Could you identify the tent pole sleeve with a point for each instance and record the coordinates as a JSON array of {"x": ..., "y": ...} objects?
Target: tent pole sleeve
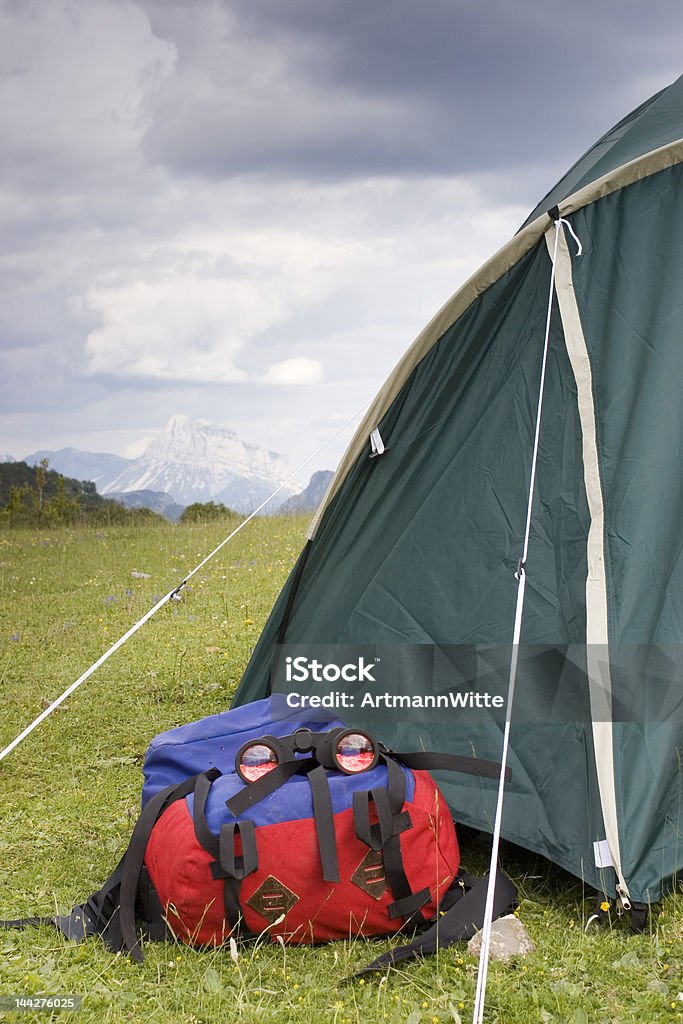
[{"x": 597, "y": 634}]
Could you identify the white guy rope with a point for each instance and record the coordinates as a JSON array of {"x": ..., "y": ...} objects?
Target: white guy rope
[
  {"x": 482, "y": 975},
  {"x": 167, "y": 597}
]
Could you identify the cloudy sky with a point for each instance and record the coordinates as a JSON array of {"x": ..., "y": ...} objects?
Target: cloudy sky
[{"x": 245, "y": 210}]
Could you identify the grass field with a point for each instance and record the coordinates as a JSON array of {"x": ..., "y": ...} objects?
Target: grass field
[{"x": 69, "y": 795}]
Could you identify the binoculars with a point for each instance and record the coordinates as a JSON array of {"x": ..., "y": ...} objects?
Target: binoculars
[{"x": 347, "y": 750}]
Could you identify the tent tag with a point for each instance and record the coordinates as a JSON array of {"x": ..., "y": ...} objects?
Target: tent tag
[
  {"x": 376, "y": 443},
  {"x": 601, "y": 852}
]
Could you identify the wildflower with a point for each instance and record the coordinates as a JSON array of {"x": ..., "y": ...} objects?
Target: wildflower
[{"x": 604, "y": 906}]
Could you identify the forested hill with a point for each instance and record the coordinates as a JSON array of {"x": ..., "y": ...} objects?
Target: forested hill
[
  {"x": 32, "y": 478},
  {"x": 39, "y": 496}
]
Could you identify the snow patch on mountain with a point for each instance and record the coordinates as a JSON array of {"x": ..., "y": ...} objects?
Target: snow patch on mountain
[{"x": 194, "y": 460}]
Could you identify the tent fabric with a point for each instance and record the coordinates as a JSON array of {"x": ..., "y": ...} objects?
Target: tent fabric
[{"x": 419, "y": 546}]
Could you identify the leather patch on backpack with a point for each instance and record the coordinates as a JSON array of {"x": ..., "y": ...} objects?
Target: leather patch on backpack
[
  {"x": 272, "y": 899},
  {"x": 370, "y": 876}
]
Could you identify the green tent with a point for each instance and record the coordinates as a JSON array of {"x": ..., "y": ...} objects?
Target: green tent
[{"x": 415, "y": 548}]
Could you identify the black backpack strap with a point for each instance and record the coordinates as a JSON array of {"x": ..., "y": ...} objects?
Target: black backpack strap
[
  {"x": 226, "y": 865},
  {"x": 384, "y": 837},
  {"x": 268, "y": 783},
  {"x": 322, "y": 805},
  {"x": 76, "y": 925},
  {"x": 134, "y": 857},
  {"x": 427, "y": 760},
  {"x": 324, "y": 823},
  {"x": 463, "y": 920}
]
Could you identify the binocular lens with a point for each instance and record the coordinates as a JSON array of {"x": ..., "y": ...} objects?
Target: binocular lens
[
  {"x": 355, "y": 753},
  {"x": 257, "y": 760}
]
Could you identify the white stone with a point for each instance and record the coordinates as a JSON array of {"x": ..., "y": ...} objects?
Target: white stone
[{"x": 509, "y": 938}]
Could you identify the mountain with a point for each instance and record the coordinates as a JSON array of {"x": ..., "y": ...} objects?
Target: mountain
[
  {"x": 6, "y": 458},
  {"x": 311, "y": 496},
  {"x": 190, "y": 461},
  {"x": 98, "y": 467},
  {"x": 194, "y": 460},
  {"x": 158, "y": 501}
]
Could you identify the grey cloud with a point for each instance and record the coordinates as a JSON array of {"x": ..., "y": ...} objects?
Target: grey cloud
[
  {"x": 357, "y": 160},
  {"x": 330, "y": 90}
]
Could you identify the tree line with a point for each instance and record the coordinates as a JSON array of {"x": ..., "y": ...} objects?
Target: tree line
[{"x": 39, "y": 496}]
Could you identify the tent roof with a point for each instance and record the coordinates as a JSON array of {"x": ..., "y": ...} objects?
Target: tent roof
[{"x": 653, "y": 124}]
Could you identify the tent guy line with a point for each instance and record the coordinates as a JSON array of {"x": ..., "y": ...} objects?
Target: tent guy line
[
  {"x": 482, "y": 973},
  {"x": 171, "y": 594}
]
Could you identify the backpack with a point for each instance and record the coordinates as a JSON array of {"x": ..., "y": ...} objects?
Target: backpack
[{"x": 266, "y": 820}]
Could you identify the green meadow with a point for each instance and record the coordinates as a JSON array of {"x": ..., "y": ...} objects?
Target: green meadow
[{"x": 69, "y": 796}]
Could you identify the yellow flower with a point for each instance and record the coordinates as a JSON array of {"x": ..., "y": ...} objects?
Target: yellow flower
[{"x": 604, "y": 906}]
